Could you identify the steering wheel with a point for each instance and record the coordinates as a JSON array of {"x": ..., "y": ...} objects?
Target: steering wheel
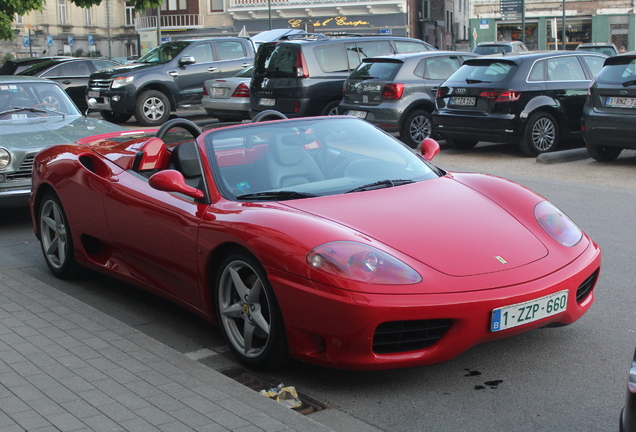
[
  {"x": 181, "y": 123},
  {"x": 268, "y": 115},
  {"x": 45, "y": 104}
]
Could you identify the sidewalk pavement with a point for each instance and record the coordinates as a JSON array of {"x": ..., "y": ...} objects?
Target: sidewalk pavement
[{"x": 65, "y": 366}]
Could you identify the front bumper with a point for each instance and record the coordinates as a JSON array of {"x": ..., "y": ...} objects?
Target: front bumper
[
  {"x": 336, "y": 328},
  {"x": 118, "y": 101},
  {"x": 504, "y": 128},
  {"x": 15, "y": 196}
]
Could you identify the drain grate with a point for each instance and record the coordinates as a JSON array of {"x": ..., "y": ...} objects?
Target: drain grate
[{"x": 258, "y": 383}]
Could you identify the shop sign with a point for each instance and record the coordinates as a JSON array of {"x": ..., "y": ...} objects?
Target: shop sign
[
  {"x": 339, "y": 21},
  {"x": 483, "y": 24},
  {"x": 510, "y": 9}
]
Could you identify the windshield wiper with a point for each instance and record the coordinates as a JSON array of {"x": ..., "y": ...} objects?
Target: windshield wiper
[
  {"x": 476, "y": 81},
  {"x": 275, "y": 196},
  {"x": 18, "y": 108},
  {"x": 380, "y": 185},
  {"x": 629, "y": 83}
]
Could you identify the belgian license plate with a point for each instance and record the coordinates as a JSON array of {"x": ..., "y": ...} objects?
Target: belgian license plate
[
  {"x": 218, "y": 91},
  {"x": 522, "y": 313},
  {"x": 463, "y": 101},
  {"x": 620, "y": 102},
  {"x": 93, "y": 94},
  {"x": 267, "y": 102},
  {"x": 359, "y": 114}
]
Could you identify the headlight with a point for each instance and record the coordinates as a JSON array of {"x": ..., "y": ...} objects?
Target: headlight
[
  {"x": 361, "y": 263},
  {"x": 121, "y": 82},
  {"x": 5, "y": 158},
  {"x": 558, "y": 225}
]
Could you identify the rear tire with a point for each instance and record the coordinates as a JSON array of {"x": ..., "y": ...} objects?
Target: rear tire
[
  {"x": 56, "y": 239},
  {"x": 331, "y": 109},
  {"x": 541, "y": 135},
  {"x": 114, "y": 117},
  {"x": 417, "y": 127},
  {"x": 603, "y": 153},
  {"x": 461, "y": 144},
  {"x": 152, "y": 108}
]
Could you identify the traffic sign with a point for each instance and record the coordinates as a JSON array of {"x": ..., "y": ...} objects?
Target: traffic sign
[
  {"x": 49, "y": 40},
  {"x": 91, "y": 39},
  {"x": 26, "y": 41},
  {"x": 385, "y": 31},
  {"x": 70, "y": 40},
  {"x": 165, "y": 39}
]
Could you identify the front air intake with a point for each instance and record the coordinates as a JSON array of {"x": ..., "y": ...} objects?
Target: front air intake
[{"x": 402, "y": 336}]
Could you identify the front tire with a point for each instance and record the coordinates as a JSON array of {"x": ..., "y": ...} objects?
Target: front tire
[
  {"x": 417, "y": 127},
  {"x": 114, "y": 117},
  {"x": 541, "y": 135},
  {"x": 56, "y": 239},
  {"x": 248, "y": 313},
  {"x": 152, "y": 108},
  {"x": 603, "y": 153}
]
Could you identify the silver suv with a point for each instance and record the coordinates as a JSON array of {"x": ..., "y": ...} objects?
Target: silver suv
[{"x": 397, "y": 92}]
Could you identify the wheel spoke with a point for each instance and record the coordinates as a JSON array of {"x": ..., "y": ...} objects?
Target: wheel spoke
[
  {"x": 50, "y": 223},
  {"x": 238, "y": 284},
  {"x": 55, "y": 245},
  {"x": 248, "y": 335},
  {"x": 233, "y": 311}
]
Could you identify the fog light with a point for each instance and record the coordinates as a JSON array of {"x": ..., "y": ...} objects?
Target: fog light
[
  {"x": 92, "y": 103},
  {"x": 1, "y": 178},
  {"x": 116, "y": 98}
]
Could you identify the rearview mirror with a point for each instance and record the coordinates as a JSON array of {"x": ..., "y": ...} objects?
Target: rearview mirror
[
  {"x": 173, "y": 181},
  {"x": 430, "y": 148}
]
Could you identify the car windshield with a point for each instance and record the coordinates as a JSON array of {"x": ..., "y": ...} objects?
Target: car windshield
[
  {"x": 379, "y": 70},
  {"x": 624, "y": 72},
  {"x": 480, "y": 71},
  {"x": 34, "y": 99},
  {"x": 492, "y": 49},
  {"x": 164, "y": 53},
  {"x": 304, "y": 158},
  {"x": 277, "y": 60},
  {"x": 607, "y": 50}
]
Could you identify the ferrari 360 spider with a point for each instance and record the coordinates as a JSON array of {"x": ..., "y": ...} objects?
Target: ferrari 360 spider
[{"x": 320, "y": 239}]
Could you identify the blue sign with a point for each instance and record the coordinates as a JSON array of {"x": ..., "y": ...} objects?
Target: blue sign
[
  {"x": 91, "y": 40},
  {"x": 165, "y": 39},
  {"x": 70, "y": 40},
  {"x": 49, "y": 40},
  {"x": 25, "y": 41},
  {"x": 385, "y": 31}
]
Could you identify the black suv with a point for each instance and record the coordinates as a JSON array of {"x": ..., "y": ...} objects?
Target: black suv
[
  {"x": 609, "y": 114},
  {"x": 534, "y": 99},
  {"x": 397, "y": 93},
  {"x": 169, "y": 76},
  {"x": 302, "y": 75}
]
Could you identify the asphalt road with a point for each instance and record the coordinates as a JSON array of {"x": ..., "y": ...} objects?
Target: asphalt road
[{"x": 563, "y": 379}]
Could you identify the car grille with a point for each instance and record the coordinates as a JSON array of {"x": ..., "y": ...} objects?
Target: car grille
[
  {"x": 401, "y": 336},
  {"x": 24, "y": 172},
  {"x": 99, "y": 84},
  {"x": 586, "y": 287}
]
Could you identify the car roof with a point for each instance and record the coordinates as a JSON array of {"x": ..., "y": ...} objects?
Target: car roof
[
  {"x": 308, "y": 38},
  {"x": 17, "y": 79},
  {"x": 601, "y": 44},
  {"x": 532, "y": 55},
  {"x": 37, "y": 59},
  {"x": 422, "y": 54},
  {"x": 500, "y": 43}
]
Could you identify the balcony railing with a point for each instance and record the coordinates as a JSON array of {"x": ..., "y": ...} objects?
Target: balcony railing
[
  {"x": 169, "y": 22},
  {"x": 264, "y": 3}
]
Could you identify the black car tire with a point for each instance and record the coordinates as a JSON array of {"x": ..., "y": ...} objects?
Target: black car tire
[
  {"x": 461, "y": 144},
  {"x": 417, "y": 126},
  {"x": 114, "y": 117},
  {"x": 331, "y": 109},
  {"x": 603, "y": 153},
  {"x": 152, "y": 108},
  {"x": 541, "y": 135},
  {"x": 248, "y": 313},
  {"x": 56, "y": 239}
]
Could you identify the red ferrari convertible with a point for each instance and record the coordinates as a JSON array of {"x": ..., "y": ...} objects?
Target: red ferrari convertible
[{"x": 320, "y": 239}]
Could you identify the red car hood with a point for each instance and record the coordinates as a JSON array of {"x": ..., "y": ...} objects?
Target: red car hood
[{"x": 441, "y": 223}]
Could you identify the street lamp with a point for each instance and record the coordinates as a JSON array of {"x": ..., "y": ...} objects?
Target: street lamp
[{"x": 269, "y": 12}]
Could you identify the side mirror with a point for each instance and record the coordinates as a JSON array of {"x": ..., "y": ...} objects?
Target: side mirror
[
  {"x": 186, "y": 60},
  {"x": 173, "y": 181},
  {"x": 430, "y": 148}
]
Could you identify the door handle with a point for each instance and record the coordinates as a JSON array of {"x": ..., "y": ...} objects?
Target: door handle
[
  {"x": 212, "y": 69},
  {"x": 66, "y": 82},
  {"x": 244, "y": 65}
]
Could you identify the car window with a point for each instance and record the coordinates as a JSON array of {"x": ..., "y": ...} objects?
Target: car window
[
  {"x": 202, "y": 53},
  {"x": 538, "y": 71},
  {"x": 492, "y": 49},
  {"x": 276, "y": 60},
  {"x": 331, "y": 58},
  {"x": 384, "y": 71},
  {"x": 361, "y": 50},
  {"x": 164, "y": 53},
  {"x": 230, "y": 50},
  {"x": 409, "y": 46},
  {"x": 565, "y": 69},
  {"x": 53, "y": 72},
  {"x": 75, "y": 68},
  {"x": 491, "y": 71},
  {"x": 438, "y": 67},
  {"x": 617, "y": 73},
  {"x": 103, "y": 64},
  {"x": 246, "y": 73},
  {"x": 594, "y": 63}
]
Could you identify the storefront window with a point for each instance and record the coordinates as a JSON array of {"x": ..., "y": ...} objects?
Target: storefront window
[
  {"x": 577, "y": 31},
  {"x": 513, "y": 32}
]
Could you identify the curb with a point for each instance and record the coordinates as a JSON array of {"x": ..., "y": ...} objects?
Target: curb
[{"x": 563, "y": 156}]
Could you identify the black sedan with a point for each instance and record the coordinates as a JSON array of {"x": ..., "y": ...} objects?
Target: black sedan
[
  {"x": 534, "y": 99},
  {"x": 70, "y": 73}
]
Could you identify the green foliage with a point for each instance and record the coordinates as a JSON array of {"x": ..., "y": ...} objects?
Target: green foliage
[
  {"x": 10, "y": 8},
  {"x": 79, "y": 53}
]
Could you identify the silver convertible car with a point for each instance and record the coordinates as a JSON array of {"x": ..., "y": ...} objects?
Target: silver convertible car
[{"x": 35, "y": 113}]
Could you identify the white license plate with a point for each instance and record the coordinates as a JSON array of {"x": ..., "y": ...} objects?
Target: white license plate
[
  {"x": 620, "y": 102},
  {"x": 267, "y": 102},
  {"x": 359, "y": 114},
  {"x": 93, "y": 94},
  {"x": 218, "y": 91},
  {"x": 463, "y": 101},
  {"x": 522, "y": 313}
]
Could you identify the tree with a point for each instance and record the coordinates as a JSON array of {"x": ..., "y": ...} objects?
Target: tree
[{"x": 10, "y": 8}]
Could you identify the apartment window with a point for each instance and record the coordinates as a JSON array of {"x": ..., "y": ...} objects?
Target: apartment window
[
  {"x": 216, "y": 5},
  {"x": 426, "y": 9},
  {"x": 19, "y": 19},
  {"x": 89, "y": 16},
  {"x": 129, "y": 13},
  {"x": 61, "y": 7},
  {"x": 172, "y": 5}
]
